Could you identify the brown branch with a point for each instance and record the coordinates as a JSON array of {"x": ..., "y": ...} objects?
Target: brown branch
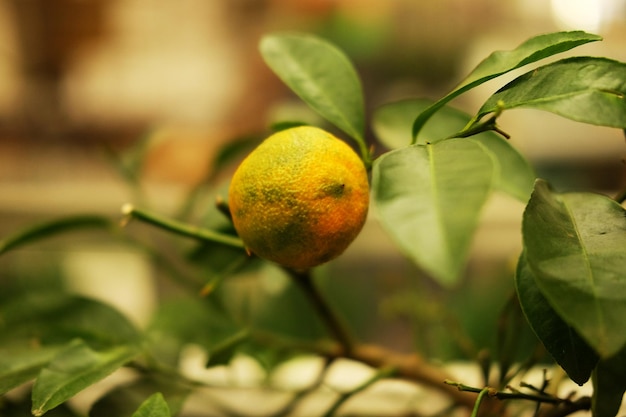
[
  {"x": 407, "y": 366},
  {"x": 411, "y": 367},
  {"x": 558, "y": 407},
  {"x": 566, "y": 408},
  {"x": 329, "y": 317}
]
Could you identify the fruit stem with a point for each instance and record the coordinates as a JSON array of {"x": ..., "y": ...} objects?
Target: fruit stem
[
  {"x": 183, "y": 229},
  {"x": 331, "y": 320}
]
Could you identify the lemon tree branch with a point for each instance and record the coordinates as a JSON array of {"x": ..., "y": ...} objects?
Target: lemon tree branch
[
  {"x": 180, "y": 228},
  {"x": 407, "y": 366},
  {"x": 329, "y": 317},
  {"x": 562, "y": 406},
  {"x": 381, "y": 374}
]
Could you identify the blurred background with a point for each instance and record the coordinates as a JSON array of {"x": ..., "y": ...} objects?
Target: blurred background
[
  {"x": 79, "y": 74},
  {"x": 79, "y": 78}
]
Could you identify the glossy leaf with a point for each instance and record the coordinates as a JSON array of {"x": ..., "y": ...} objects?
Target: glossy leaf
[
  {"x": 20, "y": 407},
  {"x": 574, "y": 245},
  {"x": 73, "y": 369},
  {"x": 52, "y": 228},
  {"x": 589, "y": 90},
  {"x": 392, "y": 125},
  {"x": 563, "y": 343},
  {"x": 513, "y": 173},
  {"x": 322, "y": 76},
  {"x": 125, "y": 399},
  {"x": 501, "y": 62},
  {"x": 20, "y": 364},
  {"x": 429, "y": 198},
  {"x": 516, "y": 344},
  {"x": 52, "y": 319},
  {"x": 609, "y": 385},
  {"x": 154, "y": 406}
]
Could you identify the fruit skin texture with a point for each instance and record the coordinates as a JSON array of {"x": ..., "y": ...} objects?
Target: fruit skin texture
[{"x": 300, "y": 198}]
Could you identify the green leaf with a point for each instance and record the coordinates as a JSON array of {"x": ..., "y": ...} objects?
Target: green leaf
[
  {"x": 154, "y": 406},
  {"x": 276, "y": 293},
  {"x": 125, "y": 399},
  {"x": 56, "y": 318},
  {"x": 20, "y": 364},
  {"x": 73, "y": 369},
  {"x": 574, "y": 245},
  {"x": 516, "y": 345},
  {"x": 589, "y": 90},
  {"x": 392, "y": 124},
  {"x": 230, "y": 152},
  {"x": 52, "y": 228},
  {"x": 567, "y": 348},
  {"x": 322, "y": 76},
  {"x": 514, "y": 175},
  {"x": 217, "y": 260},
  {"x": 429, "y": 198},
  {"x": 180, "y": 322},
  {"x": 609, "y": 385},
  {"x": 20, "y": 407},
  {"x": 501, "y": 62},
  {"x": 222, "y": 353}
]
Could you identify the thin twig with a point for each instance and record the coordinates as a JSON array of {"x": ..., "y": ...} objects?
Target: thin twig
[
  {"x": 505, "y": 395},
  {"x": 298, "y": 396},
  {"x": 562, "y": 406},
  {"x": 329, "y": 317},
  {"x": 381, "y": 374},
  {"x": 183, "y": 229},
  {"x": 408, "y": 366},
  {"x": 479, "y": 400},
  {"x": 567, "y": 407}
]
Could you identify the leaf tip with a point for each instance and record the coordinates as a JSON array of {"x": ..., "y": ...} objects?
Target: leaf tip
[{"x": 264, "y": 41}]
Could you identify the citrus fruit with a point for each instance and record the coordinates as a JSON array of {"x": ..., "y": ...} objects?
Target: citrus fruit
[{"x": 300, "y": 198}]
